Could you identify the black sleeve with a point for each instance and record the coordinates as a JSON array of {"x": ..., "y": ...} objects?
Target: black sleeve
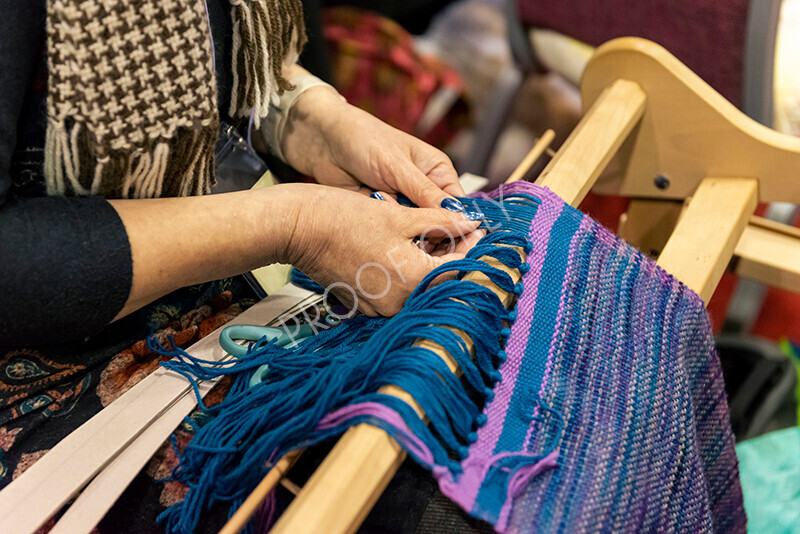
[
  {"x": 65, "y": 269},
  {"x": 65, "y": 263}
]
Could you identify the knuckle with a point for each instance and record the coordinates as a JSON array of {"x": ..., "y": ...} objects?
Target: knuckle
[{"x": 445, "y": 159}]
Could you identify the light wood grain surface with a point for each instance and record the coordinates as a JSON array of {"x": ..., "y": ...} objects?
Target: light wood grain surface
[
  {"x": 688, "y": 131},
  {"x": 598, "y": 136},
  {"x": 702, "y": 244},
  {"x": 769, "y": 252}
]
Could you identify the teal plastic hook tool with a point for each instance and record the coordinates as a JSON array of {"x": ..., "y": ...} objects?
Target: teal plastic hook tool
[{"x": 279, "y": 336}]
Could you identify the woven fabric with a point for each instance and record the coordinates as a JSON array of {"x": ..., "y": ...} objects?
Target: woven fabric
[
  {"x": 132, "y": 105},
  {"x": 128, "y": 76},
  {"x": 612, "y": 371},
  {"x": 597, "y": 404},
  {"x": 106, "y": 39}
]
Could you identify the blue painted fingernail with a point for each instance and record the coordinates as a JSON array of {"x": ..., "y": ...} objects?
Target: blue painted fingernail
[
  {"x": 452, "y": 204},
  {"x": 376, "y": 196},
  {"x": 404, "y": 201}
]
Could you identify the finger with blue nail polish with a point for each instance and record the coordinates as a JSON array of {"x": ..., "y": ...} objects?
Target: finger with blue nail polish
[
  {"x": 452, "y": 204},
  {"x": 385, "y": 197}
]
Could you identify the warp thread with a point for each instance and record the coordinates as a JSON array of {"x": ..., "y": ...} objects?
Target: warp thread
[{"x": 324, "y": 385}]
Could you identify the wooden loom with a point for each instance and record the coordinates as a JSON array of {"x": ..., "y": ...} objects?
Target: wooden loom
[{"x": 660, "y": 134}]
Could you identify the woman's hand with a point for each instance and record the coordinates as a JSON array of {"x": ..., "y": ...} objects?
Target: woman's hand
[
  {"x": 343, "y": 146},
  {"x": 365, "y": 247},
  {"x": 364, "y": 250}
]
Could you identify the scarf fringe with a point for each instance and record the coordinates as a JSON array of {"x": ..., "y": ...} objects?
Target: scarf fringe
[
  {"x": 88, "y": 152},
  {"x": 327, "y": 383},
  {"x": 180, "y": 166},
  {"x": 258, "y": 60}
]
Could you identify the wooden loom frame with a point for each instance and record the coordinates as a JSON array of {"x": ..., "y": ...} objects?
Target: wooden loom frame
[{"x": 642, "y": 105}]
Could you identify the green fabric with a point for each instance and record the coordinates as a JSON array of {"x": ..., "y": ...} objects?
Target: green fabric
[
  {"x": 788, "y": 349},
  {"x": 769, "y": 467}
]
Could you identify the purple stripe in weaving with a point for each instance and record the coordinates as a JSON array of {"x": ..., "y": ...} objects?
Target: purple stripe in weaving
[{"x": 475, "y": 466}]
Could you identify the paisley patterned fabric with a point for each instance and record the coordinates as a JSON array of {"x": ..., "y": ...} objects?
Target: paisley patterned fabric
[{"x": 47, "y": 392}]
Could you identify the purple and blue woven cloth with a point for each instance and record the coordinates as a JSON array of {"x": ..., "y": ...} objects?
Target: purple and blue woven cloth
[
  {"x": 596, "y": 405},
  {"x": 613, "y": 360}
]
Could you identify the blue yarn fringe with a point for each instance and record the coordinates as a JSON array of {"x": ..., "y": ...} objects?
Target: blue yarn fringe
[
  {"x": 346, "y": 366},
  {"x": 301, "y": 279}
]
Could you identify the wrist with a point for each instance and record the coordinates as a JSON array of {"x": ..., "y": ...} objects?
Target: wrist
[
  {"x": 278, "y": 116},
  {"x": 317, "y": 106},
  {"x": 305, "y": 138},
  {"x": 291, "y": 230}
]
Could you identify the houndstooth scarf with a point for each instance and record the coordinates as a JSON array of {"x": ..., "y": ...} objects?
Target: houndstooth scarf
[{"x": 132, "y": 104}]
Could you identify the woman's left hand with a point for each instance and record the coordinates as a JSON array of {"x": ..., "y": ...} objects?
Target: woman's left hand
[{"x": 343, "y": 146}]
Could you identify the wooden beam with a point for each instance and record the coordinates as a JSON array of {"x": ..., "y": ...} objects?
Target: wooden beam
[
  {"x": 704, "y": 240},
  {"x": 769, "y": 252},
  {"x": 586, "y": 152},
  {"x": 648, "y": 224}
]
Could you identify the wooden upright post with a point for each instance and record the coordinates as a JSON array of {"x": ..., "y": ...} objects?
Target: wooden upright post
[{"x": 703, "y": 242}]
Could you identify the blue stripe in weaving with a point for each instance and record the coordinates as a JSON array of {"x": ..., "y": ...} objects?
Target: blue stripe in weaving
[
  {"x": 574, "y": 300},
  {"x": 573, "y": 296},
  {"x": 582, "y": 307},
  {"x": 531, "y": 372},
  {"x": 532, "y": 368}
]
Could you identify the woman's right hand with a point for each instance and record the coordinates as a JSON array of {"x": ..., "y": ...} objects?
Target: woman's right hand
[{"x": 364, "y": 251}]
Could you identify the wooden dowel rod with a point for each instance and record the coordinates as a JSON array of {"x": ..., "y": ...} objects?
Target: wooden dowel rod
[
  {"x": 587, "y": 151},
  {"x": 707, "y": 233},
  {"x": 539, "y": 148},
  {"x": 253, "y": 502},
  {"x": 293, "y": 488}
]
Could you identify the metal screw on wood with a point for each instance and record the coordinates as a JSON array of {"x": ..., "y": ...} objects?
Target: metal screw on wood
[{"x": 661, "y": 181}]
